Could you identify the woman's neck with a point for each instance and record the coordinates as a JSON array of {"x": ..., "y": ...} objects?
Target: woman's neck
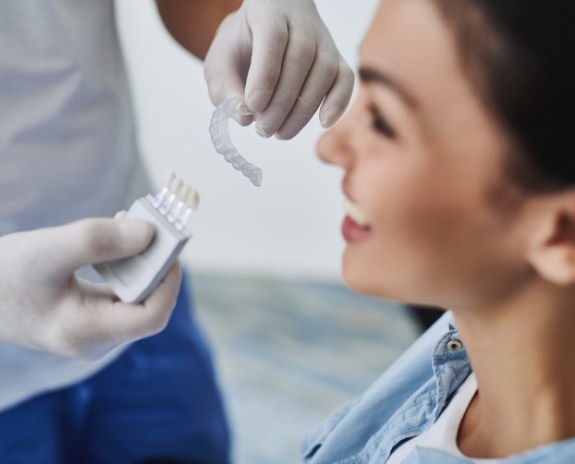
[{"x": 523, "y": 354}]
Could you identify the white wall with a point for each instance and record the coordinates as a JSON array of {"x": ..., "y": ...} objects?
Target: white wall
[{"x": 291, "y": 224}]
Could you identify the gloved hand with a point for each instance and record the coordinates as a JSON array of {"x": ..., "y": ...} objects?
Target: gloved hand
[
  {"x": 279, "y": 56},
  {"x": 45, "y": 307}
]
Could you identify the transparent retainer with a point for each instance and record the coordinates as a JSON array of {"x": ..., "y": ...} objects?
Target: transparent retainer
[{"x": 219, "y": 131}]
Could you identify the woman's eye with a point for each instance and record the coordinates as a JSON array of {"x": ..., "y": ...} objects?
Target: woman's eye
[{"x": 380, "y": 124}]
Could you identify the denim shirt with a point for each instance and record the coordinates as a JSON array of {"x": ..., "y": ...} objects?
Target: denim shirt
[{"x": 404, "y": 402}]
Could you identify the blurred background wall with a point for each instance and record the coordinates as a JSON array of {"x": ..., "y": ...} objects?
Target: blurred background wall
[{"x": 291, "y": 224}]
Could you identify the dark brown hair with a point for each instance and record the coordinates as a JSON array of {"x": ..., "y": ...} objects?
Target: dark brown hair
[{"x": 520, "y": 58}]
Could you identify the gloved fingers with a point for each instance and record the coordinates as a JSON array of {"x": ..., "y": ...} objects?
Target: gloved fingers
[
  {"x": 84, "y": 322},
  {"x": 320, "y": 80},
  {"x": 152, "y": 314},
  {"x": 271, "y": 38},
  {"x": 93, "y": 321},
  {"x": 338, "y": 96},
  {"x": 225, "y": 67},
  {"x": 92, "y": 241},
  {"x": 298, "y": 60},
  {"x": 160, "y": 303}
]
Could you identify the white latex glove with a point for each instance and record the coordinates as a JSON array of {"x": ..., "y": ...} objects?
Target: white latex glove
[
  {"x": 279, "y": 56},
  {"x": 45, "y": 307}
]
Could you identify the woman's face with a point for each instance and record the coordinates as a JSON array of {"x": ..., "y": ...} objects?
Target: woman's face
[{"x": 434, "y": 218}]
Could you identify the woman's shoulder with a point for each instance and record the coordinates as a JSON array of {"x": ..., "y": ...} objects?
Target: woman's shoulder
[{"x": 404, "y": 400}]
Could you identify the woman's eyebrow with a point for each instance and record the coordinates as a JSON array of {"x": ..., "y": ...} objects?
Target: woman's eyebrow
[{"x": 367, "y": 75}]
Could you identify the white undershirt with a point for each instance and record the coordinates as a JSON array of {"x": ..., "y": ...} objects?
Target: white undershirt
[{"x": 442, "y": 435}]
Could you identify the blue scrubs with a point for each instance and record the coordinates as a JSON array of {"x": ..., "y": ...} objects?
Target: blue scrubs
[{"x": 157, "y": 403}]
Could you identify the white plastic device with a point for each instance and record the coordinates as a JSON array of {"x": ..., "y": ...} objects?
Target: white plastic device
[
  {"x": 222, "y": 141},
  {"x": 132, "y": 279}
]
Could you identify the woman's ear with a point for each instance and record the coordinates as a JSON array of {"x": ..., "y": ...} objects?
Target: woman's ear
[{"x": 552, "y": 251}]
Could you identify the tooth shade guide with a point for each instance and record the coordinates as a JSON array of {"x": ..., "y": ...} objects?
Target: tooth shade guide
[
  {"x": 134, "y": 277},
  {"x": 176, "y": 202}
]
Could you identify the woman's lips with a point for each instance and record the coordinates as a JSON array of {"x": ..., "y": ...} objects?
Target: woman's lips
[
  {"x": 353, "y": 232},
  {"x": 355, "y": 227}
]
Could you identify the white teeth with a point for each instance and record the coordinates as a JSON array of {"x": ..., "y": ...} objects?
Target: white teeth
[{"x": 353, "y": 211}]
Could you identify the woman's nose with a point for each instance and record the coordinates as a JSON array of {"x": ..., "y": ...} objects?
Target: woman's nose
[{"x": 332, "y": 147}]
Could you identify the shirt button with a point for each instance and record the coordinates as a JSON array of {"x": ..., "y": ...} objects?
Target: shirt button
[{"x": 454, "y": 345}]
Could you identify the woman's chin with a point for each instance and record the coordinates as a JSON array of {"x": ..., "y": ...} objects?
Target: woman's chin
[
  {"x": 366, "y": 283},
  {"x": 362, "y": 283}
]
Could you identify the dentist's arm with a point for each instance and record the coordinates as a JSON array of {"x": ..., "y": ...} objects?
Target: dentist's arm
[
  {"x": 276, "y": 54},
  {"x": 45, "y": 307},
  {"x": 193, "y": 23}
]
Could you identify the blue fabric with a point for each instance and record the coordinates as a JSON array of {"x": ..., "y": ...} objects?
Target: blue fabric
[
  {"x": 404, "y": 402},
  {"x": 158, "y": 402}
]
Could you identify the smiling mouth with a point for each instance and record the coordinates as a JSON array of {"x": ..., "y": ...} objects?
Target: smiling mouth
[{"x": 355, "y": 214}]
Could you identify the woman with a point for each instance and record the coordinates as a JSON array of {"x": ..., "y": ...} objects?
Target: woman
[{"x": 460, "y": 183}]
